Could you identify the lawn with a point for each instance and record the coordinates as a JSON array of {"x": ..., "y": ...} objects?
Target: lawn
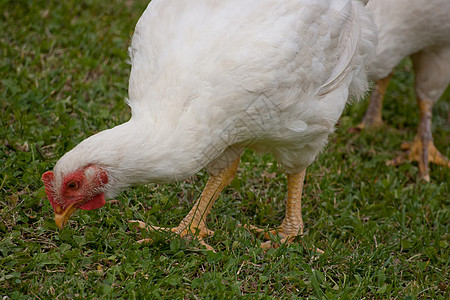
[{"x": 64, "y": 77}]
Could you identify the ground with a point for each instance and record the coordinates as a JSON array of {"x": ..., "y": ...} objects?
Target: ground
[{"x": 64, "y": 77}]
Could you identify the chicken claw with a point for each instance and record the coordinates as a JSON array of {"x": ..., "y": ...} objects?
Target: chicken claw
[
  {"x": 417, "y": 151},
  {"x": 292, "y": 224},
  {"x": 422, "y": 149},
  {"x": 270, "y": 237},
  {"x": 194, "y": 224},
  {"x": 200, "y": 233}
]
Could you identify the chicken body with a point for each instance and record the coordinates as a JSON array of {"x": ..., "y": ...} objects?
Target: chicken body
[
  {"x": 420, "y": 29},
  {"x": 210, "y": 78}
]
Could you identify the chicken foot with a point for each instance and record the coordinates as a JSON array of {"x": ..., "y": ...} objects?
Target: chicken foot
[
  {"x": 194, "y": 223},
  {"x": 292, "y": 224},
  {"x": 422, "y": 149}
]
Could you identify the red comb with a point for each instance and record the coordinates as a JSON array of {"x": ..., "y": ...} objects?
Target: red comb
[{"x": 47, "y": 178}]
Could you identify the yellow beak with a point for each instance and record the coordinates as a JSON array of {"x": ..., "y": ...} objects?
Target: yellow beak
[{"x": 61, "y": 219}]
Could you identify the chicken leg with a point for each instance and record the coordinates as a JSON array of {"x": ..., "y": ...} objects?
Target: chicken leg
[
  {"x": 195, "y": 221},
  {"x": 432, "y": 68},
  {"x": 372, "y": 117},
  {"x": 292, "y": 224},
  {"x": 422, "y": 149}
]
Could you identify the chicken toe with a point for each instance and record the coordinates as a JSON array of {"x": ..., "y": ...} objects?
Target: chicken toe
[
  {"x": 422, "y": 149},
  {"x": 423, "y": 153},
  {"x": 194, "y": 224},
  {"x": 200, "y": 233},
  {"x": 292, "y": 224}
]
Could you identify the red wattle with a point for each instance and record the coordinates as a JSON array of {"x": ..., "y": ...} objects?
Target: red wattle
[{"x": 96, "y": 202}]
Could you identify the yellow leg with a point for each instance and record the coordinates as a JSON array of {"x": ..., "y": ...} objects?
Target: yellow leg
[
  {"x": 292, "y": 224},
  {"x": 195, "y": 221},
  {"x": 422, "y": 149},
  {"x": 372, "y": 117}
]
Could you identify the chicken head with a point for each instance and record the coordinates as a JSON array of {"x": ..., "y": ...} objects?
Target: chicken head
[{"x": 81, "y": 189}]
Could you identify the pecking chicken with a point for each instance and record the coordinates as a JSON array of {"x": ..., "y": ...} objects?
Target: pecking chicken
[
  {"x": 210, "y": 78},
  {"x": 420, "y": 29}
]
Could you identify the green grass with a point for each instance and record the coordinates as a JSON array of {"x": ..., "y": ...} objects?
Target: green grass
[{"x": 64, "y": 77}]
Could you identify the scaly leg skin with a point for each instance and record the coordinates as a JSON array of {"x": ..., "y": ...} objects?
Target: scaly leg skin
[
  {"x": 195, "y": 221},
  {"x": 372, "y": 117},
  {"x": 422, "y": 149},
  {"x": 292, "y": 224}
]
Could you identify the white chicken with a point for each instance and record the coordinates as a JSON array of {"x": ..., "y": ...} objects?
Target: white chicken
[
  {"x": 420, "y": 29},
  {"x": 211, "y": 77}
]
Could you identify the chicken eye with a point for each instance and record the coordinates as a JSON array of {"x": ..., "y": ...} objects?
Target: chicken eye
[{"x": 73, "y": 185}]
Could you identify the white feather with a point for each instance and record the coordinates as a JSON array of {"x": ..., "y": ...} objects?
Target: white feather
[
  {"x": 406, "y": 27},
  {"x": 211, "y": 77}
]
